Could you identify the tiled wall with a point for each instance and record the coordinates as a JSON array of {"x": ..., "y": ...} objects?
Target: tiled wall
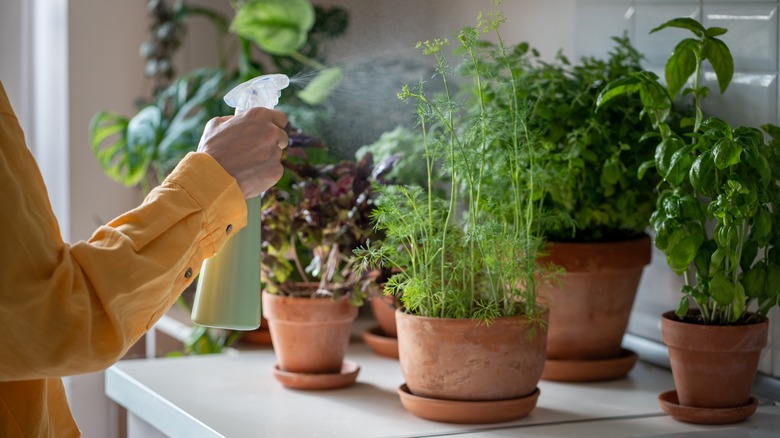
[{"x": 751, "y": 99}]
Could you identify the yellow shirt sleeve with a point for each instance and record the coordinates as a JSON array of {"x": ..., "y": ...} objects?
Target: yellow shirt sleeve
[{"x": 68, "y": 309}]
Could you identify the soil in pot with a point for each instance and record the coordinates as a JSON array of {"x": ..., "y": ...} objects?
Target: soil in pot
[
  {"x": 468, "y": 363},
  {"x": 310, "y": 335},
  {"x": 590, "y": 305},
  {"x": 714, "y": 366}
]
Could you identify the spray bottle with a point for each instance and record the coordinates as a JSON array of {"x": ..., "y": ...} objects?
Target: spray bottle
[{"x": 228, "y": 291}]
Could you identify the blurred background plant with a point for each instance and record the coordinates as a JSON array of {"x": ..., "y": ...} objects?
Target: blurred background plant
[{"x": 264, "y": 36}]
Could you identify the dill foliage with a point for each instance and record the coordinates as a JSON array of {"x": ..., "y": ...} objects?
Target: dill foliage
[{"x": 472, "y": 252}]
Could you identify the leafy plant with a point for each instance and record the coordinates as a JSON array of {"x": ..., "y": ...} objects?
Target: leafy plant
[
  {"x": 593, "y": 156},
  {"x": 403, "y": 146},
  {"x": 143, "y": 149},
  {"x": 455, "y": 257},
  {"x": 311, "y": 227},
  {"x": 715, "y": 216}
]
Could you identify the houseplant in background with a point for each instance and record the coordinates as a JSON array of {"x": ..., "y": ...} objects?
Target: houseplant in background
[
  {"x": 402, "y": 147},
  {"x": 139, "y": 151},
  {"x": 715, "y": 220},
  {"x": 311, "y": 224},
  {"x": 466, "y": 273},
  {"x": 593, "y": 158}
]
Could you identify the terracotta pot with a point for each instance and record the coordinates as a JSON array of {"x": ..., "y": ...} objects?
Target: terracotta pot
[
  {"x": 260, "y": 335},
  {"x": 713, "y": 366},
  {"x": 383, "y": 308},
  {"x": 591, "y": 303},
  {"x": 310, "y": 335},
  {"x": 466, "y": 360}
]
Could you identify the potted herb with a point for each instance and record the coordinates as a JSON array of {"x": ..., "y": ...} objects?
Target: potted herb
[
  {"x": 310, "y": 226},
  {"x": 466, "y": 275},
  {"x": 715, "y": 222},
  {"x": 592, "y": 158}
]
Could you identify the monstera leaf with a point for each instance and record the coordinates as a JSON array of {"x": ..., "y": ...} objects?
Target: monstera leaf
[{"x": 161, "y": 133}]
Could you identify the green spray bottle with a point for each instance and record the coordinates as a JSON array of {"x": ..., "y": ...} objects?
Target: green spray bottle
[{"x": 228, "y": 290}]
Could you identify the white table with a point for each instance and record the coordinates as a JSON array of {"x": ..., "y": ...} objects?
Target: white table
[{"x": 236, "y": 395}]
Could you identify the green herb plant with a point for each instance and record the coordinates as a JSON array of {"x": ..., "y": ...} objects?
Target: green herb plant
[
  {"x": 593, "y": 156},
  {"x": 471, "y": 254},
  {"x": 715, "y": 219},
  {"x": 312, "y": 222}
]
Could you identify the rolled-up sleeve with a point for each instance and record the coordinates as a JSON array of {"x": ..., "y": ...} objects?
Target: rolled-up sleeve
[{"x": 69, "y": 309}]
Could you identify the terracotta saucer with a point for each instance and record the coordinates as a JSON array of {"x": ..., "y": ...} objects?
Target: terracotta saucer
[
  {"x": 347, "y": 376},
  {"x": 467, "y": 412},
  {"x": 689, "y": 414},
  {"x": 382, "y": 344},
  {"x": 589, "y": 370}
]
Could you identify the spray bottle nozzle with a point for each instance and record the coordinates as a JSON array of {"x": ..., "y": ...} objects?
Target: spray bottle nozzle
[{"x": 262, "y": 91}]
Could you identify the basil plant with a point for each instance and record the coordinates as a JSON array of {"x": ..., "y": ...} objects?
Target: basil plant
[{"x": 715, "y": 219}]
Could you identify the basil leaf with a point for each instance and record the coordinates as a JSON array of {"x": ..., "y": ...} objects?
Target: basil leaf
[
  {"x": 726, "y": 153},
  {"x": 680, "y": 65},
  {"x": 721, "y": 290},
  {"x": 719, "y": 55}
]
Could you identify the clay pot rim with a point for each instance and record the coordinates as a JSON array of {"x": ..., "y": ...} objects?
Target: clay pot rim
[
  {"x": 633, "y": 240},
  {"x": 672, "y": 318},
  {"x": 601, "y": 256},
  {"x": 314, "y": 301},
  {"x": 543, "y": 314}
]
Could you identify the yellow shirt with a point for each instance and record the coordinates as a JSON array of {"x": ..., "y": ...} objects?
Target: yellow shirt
[{"x": 69, "y": 309}]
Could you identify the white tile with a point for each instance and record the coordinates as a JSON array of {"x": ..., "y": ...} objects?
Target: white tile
[
  {"x": 650, "y": 14},
  {"x": 752, "y": 32},
  {"x": 750, "y": 100},
  {"x": 597, "y": 22}
]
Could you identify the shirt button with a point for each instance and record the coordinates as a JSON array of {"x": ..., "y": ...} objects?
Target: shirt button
[
  {"x": 229, "y": 229},
  {"x": 188, "y": 274}
]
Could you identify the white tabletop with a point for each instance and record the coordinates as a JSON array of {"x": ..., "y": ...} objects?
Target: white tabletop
[{"x": 236, "y": 395}]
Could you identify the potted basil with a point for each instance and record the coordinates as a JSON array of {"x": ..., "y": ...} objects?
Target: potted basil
[{"x": 715, "y": 221}]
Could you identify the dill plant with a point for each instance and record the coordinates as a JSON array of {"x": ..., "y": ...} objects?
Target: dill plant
[{"x": 471, "y": 253}]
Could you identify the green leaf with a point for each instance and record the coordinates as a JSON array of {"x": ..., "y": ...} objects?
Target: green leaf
[
  {"x": 738, "y": 304},
  {"x": 682, "y": 307},
  {"x": 680, "y": 165},
  {"x": 759, "y": 163},
  {"x": 717, "y": 125},
  {"x": 618, "y": 88},
  {"x": 753, "y": 281},
  {"x": 702, "y": 174},
  {"x": 761, "y": 228},
  {"x": 683, "y": 244},
  {"x": 681, "y": 65},
  {"x": 721, "y": 290},
  {"x": 748, "y": 256},
  {"x": 719, "y": 55},
  {"x": 120, "y": 162},
  {"x": 279, "y": 27},
  {"x": 664, "y": 153},
  {"x": 321, "y": 86},
  {"x": 716, "y": 261},
  {"x": 644, "y": 167},
  {"x": 726, "y": 153},
  {"x": 715, "y": 31},
  {"x": 683, "y": 23}
]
